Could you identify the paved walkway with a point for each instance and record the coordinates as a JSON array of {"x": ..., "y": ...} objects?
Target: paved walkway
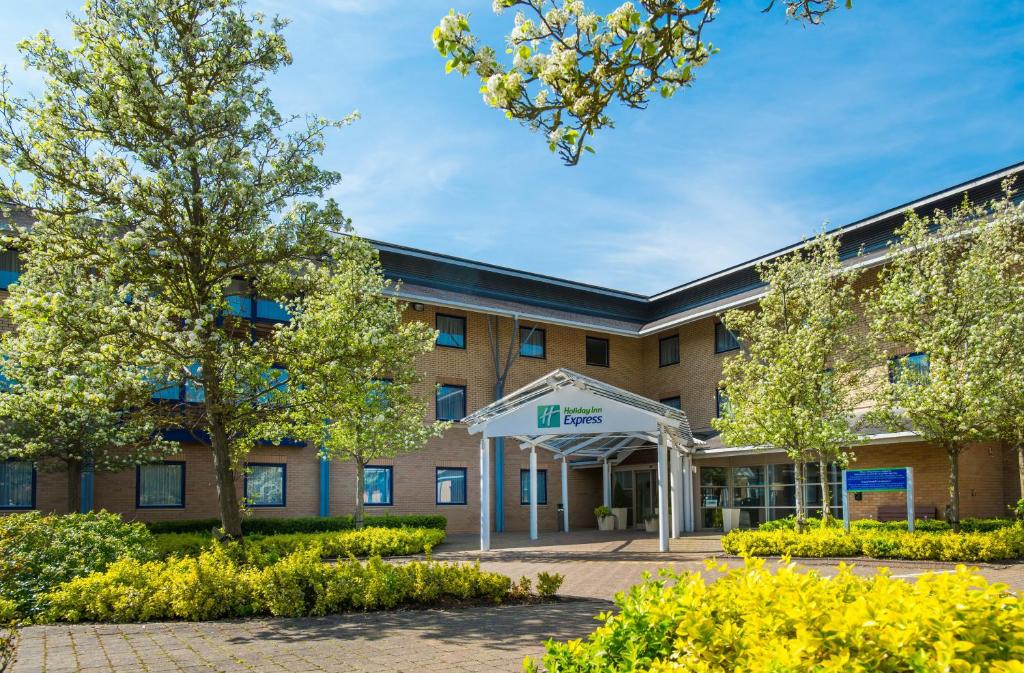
[{"x": 596, "y": 566}]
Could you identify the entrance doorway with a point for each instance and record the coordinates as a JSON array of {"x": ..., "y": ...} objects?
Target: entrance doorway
[{"x": 637, "y": 491}]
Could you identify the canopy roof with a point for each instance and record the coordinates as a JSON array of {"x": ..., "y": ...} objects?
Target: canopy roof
[{"x": 574, "y": 415}]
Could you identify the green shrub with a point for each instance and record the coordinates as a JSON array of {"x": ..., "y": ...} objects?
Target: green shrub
[
  {"x": 8, "y": 645},
  {"x": 216, "y": 585},
  {"x": 549, "y": 583},
  {"x": 920, "y": 525},
  {"x": 365, "y": 542},
  {"x": 996, "y": 545},
  {"x": 39, "y": 552},
  {"x": 310, "y": 524},
  {"x": 753, "y": 619}
]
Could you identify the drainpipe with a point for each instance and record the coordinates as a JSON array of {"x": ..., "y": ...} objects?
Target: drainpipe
[
  {"x": 499, "y": 471},
  {"x": 86, "y": 492},
  {"x": 325, "y": 486}
]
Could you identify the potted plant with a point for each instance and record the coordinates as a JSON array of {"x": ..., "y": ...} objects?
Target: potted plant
[
  {"x": 605, "y": 520},
  {"x": 651, "y": 522}
]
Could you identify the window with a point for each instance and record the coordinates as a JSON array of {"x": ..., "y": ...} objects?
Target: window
[
  {"x": 451, "y": 486},
  {"x": 451, "y": 331},
  {"x": 194, "y": 391},
  {"x": 725, "y": 340},
  {"x": 160, "y": 485},
  {"x": 275, "y": 383},
  {"x": 17, "y": 485},
  {"x": 909, "y": 369},
  {"x": 10, "y": 268},
  {"x": 451, "y": 403},
  {"x": 378, "y": 485},
  {"x": 532, "y": 342},
  {"x": 597, "y": 351},
  {"x": 673, "y": 402},
  {"x": 268, "y": 309},
  {"x": 721, "y": 402},
  {"x": 265, "y": 484},
  {"x": 524, "y": 487},
  {"x": 240, "y": 305},
  {"x": 668, "y": 351}
]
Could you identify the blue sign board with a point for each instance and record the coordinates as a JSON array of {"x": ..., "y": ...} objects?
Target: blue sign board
[{"x": 882, "y": 479}]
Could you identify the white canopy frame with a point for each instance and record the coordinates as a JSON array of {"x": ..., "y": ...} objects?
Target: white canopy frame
[{"x": 623, "y": 423}]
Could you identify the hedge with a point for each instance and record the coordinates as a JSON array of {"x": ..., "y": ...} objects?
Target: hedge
[
  {"x": 752, "y": 619},
  {"x": 308, "y": 524},
  {"x": 213, "y": 585},
  {"x": 920, "y": 525},
  {"x": 997, "y": 545},
  {"x": 365, "y": 542}
]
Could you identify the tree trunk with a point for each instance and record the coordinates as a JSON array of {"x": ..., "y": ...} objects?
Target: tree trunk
[
  {"x": 801, "y": 510},
  {"x": 826, "y": 492},
  {"x": 74, "y": 485},
  {"x": 227, "y": 495},
  {"x": 360, "y": 493},
  {"x": 953, "y": 510}
]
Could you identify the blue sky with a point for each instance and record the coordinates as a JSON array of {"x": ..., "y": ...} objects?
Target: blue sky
[{"x": 787, "y": 128}]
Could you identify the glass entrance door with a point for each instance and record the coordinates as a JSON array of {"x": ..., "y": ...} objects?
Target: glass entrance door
[{"x": 644, "y": 492}]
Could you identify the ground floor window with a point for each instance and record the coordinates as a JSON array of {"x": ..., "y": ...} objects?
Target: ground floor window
[
  {"x": 265, "y": 484},
  {"x": 762, "y": 492},
  {"x": 17, "y": 485},
  {"x": 160, "y": 485},
  {"x": 451, "y": 486},
  {"x": 378, "y": 485},
  {"x": 524, "y": 487}
]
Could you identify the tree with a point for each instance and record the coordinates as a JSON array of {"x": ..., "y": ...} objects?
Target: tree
[
  {"x": 935, "y": 297},
  {"x": 569, "y": 65},
  {"x": 800, "y": 376},
  {"x": 157, "y": 161},
  {"x": 63, "y": 410},
  {"x": 367, "y": 412}
]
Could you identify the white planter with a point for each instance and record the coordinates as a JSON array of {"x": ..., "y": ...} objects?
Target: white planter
[
  {"x": 651, "y": 525},
  {"x": 606, "y": 523},
  {"x": 730, "y": 518},
  {"x": 620, "y": 514}
]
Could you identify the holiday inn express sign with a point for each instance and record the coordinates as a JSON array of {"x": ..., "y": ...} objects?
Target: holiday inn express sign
[
  {"x": 570, "y": 411},
  {"x": 553, "y": 416}
]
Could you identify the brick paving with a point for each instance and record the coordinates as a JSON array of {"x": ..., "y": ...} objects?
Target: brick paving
[{"x": 595, "y": 565}]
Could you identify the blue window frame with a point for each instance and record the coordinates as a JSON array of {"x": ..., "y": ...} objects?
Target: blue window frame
[
  {"x": 668, "y": 351},
  {"x": 451, "y": 330},
  {"x": 524, "y": 487},
  {"x": 912, "y": 368},
  {"x": 451, "y": 486},
  {"x": 721, "y": 402},
  {"x": 673, "y": 402},
  {"x": 378, "y": 485},
  {"x": 240, "y": 305},
  {"x": 17, "y": 485},
  {"x": 160, "y": 485},
  {"x": 532, "y": 343},
  {"x": 725, "y": 340},
  {"x": 10, "y": 268},
  {"x": 268, "y": 309},
  {"x": 266, "y": 484},
  {"x": 257, "y": 308},
  {"x": 451, "y": 402},
  {"x": 597, "y": 351}
]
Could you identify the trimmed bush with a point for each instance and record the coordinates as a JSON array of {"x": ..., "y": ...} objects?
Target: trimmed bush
[
  {"x": 997, "y": 545},
  {"x": 309, "y": 524},
  {"x": 752, "y": 619},
  {"x": 215, "y": 585},
  {"x": 920, "y": 525},
  {"x": 365, "y": 542},
  {"x": 40, "y": 552}
]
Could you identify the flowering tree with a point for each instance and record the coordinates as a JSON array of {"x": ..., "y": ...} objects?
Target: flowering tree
[
  {"x": 157, "y": 162},
  {"x": 570, "y": 64},
  {"x": 800, "y": 376}
]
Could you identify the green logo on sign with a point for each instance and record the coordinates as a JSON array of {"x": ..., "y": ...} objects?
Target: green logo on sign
[{"x": 548, "y": 416}]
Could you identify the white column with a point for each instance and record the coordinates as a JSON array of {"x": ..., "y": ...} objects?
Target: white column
[
  {"x": 678, "y": 486},
  {"x": 606, "y": 483},
  {"x": 533, "y": 491},
  {"x": 663, "y": 523},
  {"x": 565, "y": 493},
  {"x": 485, "y": 494}
]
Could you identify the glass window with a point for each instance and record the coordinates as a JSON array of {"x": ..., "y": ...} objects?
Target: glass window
[
  {"x": 275, "y": 382},
  {"x": 166, "y": 390},
  {"x": 451, "y": 331},
  {"x": 160, "y": 485},
  {"x": 673, "y": 402},
  {"x": 194, "y": 391},
  {"x": 377, "y": 485},
  {"x": 668, "y": 351},
  {"x": 240, "y": 305},
  {"x": 721, "y": 402},
  {"x": 524, "y": 487},
  {"x": 532, "y": 342},
  {"x": 265, "y": 484},
  {"x": 268, "y": 309},
  {"x": 451, "y": 403},
  {"x": 909, "y": 369},
  {"x": 10, "y": 268},
  {"x": 17, "y": 485},
  {"x": 725, "y": 340},
  {"x": 451, "y": 486},
  {"x": 597, "y": 351}
]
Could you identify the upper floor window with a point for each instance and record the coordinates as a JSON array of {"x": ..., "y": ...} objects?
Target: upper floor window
[
  {"x": 673, "y": 402},
  {"x": 725, "y": 340},
  {"x": 668, "y": 351},
  {"x": 378, "y": 485},
  {"x": 532, "y": 342},
  {"x": 17, "y": 485},
  {"x": 451, "y": 331},
  {"x": 451, "y": 486},
  {"x": 265, "y": 484},
  {"x": 451, "y": 402},
  {"x": 160, "y": 485},
  {"x": 597, "y": 351},
  {"x": 909, "y": 369},
  {"x": 721, "y": 403},
  {"x": 10, "y": 268}
]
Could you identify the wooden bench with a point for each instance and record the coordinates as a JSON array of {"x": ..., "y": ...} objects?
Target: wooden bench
[{"x": 899, "y": 512}]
